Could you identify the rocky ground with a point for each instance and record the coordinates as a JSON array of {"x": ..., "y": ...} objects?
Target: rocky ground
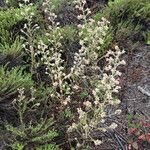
[
  {"x": 136, "y": 91},
  {"x": 135, "y": 94}
]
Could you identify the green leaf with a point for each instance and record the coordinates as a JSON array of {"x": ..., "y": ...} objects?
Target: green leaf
[{"x": 83, "y": 95}]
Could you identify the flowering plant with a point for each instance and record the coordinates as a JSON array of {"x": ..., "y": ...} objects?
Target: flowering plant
[
  {"x": 84, "y": 74},
  {"x": 100, "y": 90}
]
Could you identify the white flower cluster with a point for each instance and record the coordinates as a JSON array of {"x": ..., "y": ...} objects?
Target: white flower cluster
[
  {"x": 48, "y": 7},
  {"x": 92, "y": 33},
  {"x": 110, "y": 80},
  {"x": 91, "y": 36},
  {"x": 80, "y": 5},
  {"x": 95, "y": 112},
  {"x": 52, "y": 57},
  {"x": 22, "y": 100},
  {"x": 29, "y": 31},
  {"x": 27, "y": 12},
  {"x": 51, "y": 53},
  {"x": 23, "y": 104},
  {"x": 79, "y": 63}
]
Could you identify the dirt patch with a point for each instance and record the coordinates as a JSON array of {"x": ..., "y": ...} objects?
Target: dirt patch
[
  {"x": 137, "y": 80},
  {"x": 135, "y": 93}
]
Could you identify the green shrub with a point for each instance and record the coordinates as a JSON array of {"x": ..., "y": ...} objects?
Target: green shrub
[
  {"x": 128, "y": 35},
  {"x": 36, "y": 131},
  {"x": 15, "y": 3},
  {"x": 134, "y": 10},
  {"x": 11, "y": 80},
  {"x": 128, "y": 14},
  {"x": 11, "y": 49},
  {"x": 128, "y": 21},
  {"x": 8, "y": 18},
  {"x": 21, "y": 137}
]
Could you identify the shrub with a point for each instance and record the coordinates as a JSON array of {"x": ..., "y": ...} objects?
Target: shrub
[
  {"x": 14, "y": 49},
  {"x": 15, "y": 4},
  {"x": 11, "y": 80},
  {"x": 138, "y": 130},
  {"x": 34, "y": 132},
  {"x": 131, "y": 13},
  {"x": 8, "y": 19},
  {"x": 133, "y": 10},
  {"x": 129, "y": 21}
]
